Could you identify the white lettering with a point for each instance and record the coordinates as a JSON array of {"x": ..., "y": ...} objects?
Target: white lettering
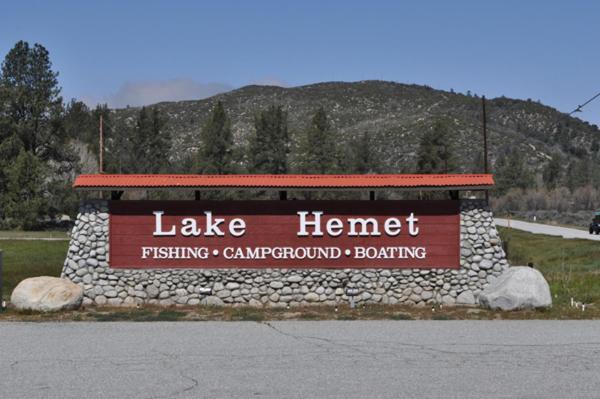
[
  {"x": 158, "y": 231},
  {"x": 304, "y": 223},
  {"x": 212, "y": 228},
  {"x": 412, "y": 221},
  {"x": 392, "y": 227},
  {"x": 363, "y": 230},
  {"x": 237, "y": 227},
  {"x": 334, "y": 227},
  {"x": 189, "y": 227}
]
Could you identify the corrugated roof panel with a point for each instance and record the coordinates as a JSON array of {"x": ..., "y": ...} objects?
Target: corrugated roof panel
[{"x": 113, "y": 181}]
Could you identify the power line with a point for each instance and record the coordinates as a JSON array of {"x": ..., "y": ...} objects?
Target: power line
[{"x": 579, "y": 107}]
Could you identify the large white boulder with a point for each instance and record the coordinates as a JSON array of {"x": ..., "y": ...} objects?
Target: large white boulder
[
  {"x": 519, "y": 287},
  {"x": 47, "y": 294}
]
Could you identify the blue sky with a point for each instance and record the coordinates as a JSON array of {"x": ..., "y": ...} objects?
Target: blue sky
[{"x": 139, "y": 52}]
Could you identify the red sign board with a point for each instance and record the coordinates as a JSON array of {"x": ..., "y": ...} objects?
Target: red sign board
[{"x": 284, "y": 234}]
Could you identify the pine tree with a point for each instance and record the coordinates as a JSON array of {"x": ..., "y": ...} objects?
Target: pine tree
[
  {"x": 78, "y": 122},
  {"x": 30, "y": 102},
  {"x": 578, "y": 173},
  {"x": 139, "y": 139},
  {"x": 269, "y": 145},
  {"x": 31, "y": 123},
  {"x": 25, "y": 202},
  {"x": 552, "y": 172},
  {"x": 150, "y": 144},
  {"x": 216, "y": 151},
  {"x": 512, "y": 172},
  {"x": 361, "y": 158},
  {"x": 435, "y": 153},
  {"x": 159, "y": 143},
  {"x": 318, "y": 152}
]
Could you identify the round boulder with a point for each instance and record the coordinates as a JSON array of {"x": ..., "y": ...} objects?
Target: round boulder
[
  {"x": 519, "y": 287},
  {"x": 47, "y": 294}
]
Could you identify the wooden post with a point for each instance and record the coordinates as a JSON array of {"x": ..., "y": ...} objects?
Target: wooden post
[
  {"x": 485, "y": 150},
  {"x": 116, "y": 195},
  {"x": 101, "y": 148},
  {"x": 1, "y": 284},
  {"x": 485, "y": 146}
]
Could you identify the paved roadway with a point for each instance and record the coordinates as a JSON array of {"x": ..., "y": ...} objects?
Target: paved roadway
[
  {"x": 331, "y": 359},
  {"x": 539, "y": 228}
]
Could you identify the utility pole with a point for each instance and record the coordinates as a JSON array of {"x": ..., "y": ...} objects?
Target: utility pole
[
  {"x": 101, "y": 149},
  {"x": 485, "y": 147},
  {"x": 2, "y": 303}
]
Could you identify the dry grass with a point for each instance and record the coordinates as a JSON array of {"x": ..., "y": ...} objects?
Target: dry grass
[{"x": 343, "y": 312}]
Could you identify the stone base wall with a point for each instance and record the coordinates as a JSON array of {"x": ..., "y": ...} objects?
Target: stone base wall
[{"x": 482, "y": 260}]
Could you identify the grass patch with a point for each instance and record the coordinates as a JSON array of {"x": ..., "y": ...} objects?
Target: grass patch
[
  {"x": 247, "y": 314},
  {"x": 139, "y": 315},
  {"x": 551, "y": 254},
  {"x": 34, "y": 234},
  {"x": 401, "y": 316},
  {"x": 308, "y": 316},
  {"x": 23, "y": 259},
  {"x": 345, "y": 316},
  {"x": 571, "y": 266},
  {"x": 441, "y": 316}
]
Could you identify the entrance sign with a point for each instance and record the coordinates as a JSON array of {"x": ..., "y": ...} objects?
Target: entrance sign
[{"x": 284, "y": 234}]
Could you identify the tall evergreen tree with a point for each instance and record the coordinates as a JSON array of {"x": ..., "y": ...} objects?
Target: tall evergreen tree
[
  {"x": 30, "y": 104},
  {"x": 78, "y": 122},
  {"x": 31, "y": 122},
  {"x": 512, "y": 172},
  {"x": 150, "y": 143},
  {"x": 269, "y": 145},
  {"x": 318, "y": 152},
  {"x": 552, "y": 172},
  {"x": 579, "y": 173},
  {"x": 160, "y": 143},
  {"x": 361, "y": 158},
  {"x": 216, "y": 150},
  {"x": 24, "y": 201},
  {"x": 435, "y": 153}
]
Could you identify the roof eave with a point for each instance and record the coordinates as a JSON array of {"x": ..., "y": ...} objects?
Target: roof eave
[{"x": 288, "y": 188}]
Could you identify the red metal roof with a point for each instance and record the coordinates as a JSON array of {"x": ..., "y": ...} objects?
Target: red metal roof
[{"x": 423, "y": 181}]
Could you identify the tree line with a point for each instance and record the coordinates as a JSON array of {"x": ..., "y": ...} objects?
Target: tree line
[{"x": 45, "y": 143}]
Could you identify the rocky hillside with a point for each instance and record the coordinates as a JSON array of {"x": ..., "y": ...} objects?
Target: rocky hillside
[{"x": 394, "y": 115}]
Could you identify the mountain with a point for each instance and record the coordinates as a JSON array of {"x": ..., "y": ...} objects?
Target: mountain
[{"x": 394, "y": 115}]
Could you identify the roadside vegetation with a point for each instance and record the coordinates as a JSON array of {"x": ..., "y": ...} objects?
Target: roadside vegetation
[
  {"x": 572, "y": 267},
  {"x": 26, "y": 235},
  {"x": 25, "y": 258}
]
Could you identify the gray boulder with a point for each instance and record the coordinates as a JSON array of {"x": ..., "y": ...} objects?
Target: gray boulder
[
  {"x": 47, "y": 294},
  {"x": 519, "y": 287}
]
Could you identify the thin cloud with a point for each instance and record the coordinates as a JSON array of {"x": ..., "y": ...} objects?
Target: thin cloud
[
  {"x": 151, "y": 92},
  {"x": 271, "y": 81}
]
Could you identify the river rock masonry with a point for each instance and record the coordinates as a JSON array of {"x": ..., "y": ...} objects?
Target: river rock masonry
[{"x": 87, "y": 264}]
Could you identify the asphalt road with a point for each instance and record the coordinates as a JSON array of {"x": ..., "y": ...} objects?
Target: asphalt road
[
  {"x": 343, "y": 359},
  {"x": 538, "y": 228}
]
